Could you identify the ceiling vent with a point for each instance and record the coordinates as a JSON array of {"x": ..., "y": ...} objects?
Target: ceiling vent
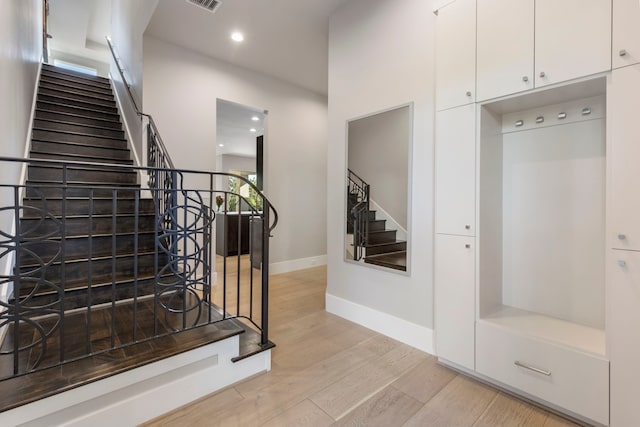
[{"x": 210, "y": 5}]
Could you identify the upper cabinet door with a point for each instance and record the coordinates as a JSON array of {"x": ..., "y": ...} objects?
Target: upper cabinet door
[
  {"x": 623, "y": 116},
  {"x": 626, "y": 33},
  {"x": 573, "y": 39},
  {"x": 456, "y": 53},
  {"x": 505, "y": 47}
]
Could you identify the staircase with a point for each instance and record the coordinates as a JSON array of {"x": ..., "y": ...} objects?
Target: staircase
[
  {"x": 382, "y": 247},
  {"x": 99, "y": 232}
]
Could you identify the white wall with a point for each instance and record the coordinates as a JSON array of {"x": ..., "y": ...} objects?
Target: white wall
[
  {"x": 129, "y": 19},
  {"x": 20, "y": 57},
  {"x": 378, "y": 153},
  {"x": 181, "y": 88},
  {"x": 381, "y": 54}
]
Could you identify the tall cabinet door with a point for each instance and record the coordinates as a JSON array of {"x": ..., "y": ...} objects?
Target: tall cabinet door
[
  {"x": 456, "y": 53},
  {"x": 623, "y": 297},
  {"x": 626, "y": 33},
  {"x": 505, "y": 47},
  {"x": 623, "y": 115},
  {"x": 573, "y": 39},
  {"x": 456, "y": 171},
  {"x": 455, "y": 299}
]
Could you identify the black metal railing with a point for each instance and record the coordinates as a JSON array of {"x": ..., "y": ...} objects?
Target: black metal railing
[
  {"x": 101, "y": 267},
  {"x": 358, "y": 213}
]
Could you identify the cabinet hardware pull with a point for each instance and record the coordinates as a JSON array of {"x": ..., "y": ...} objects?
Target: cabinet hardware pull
[
  {"x": 539, "y": 119},
  {"x": 586, "y": 111},
  {"x": 532, "y": 368},
  {"x": 519, "y": 123},
  {"x": 622, "y": 236},
  {"x": 467, "y": 227},
  {"x": 467, "y": 246},
  {"x": 542, "y": 74},
  {"x": 468, "y": 93},
  {"x": 525, "y": 79},
  {"x": 622, "y": 263},
  {"x": 622, "y": 52},
  {"x": 562, "y": 116}
]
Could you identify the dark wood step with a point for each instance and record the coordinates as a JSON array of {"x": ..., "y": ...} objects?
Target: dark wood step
[
  {"x": 380, "y": 248},
  {"x": 97, "y": 271},
  {"x": 82, "y": 190},
  {"x": 84, "y": 175},
  {"x": 385, "y": 236},
  {"x": 59, "y": 136},
  {"x": 377, "y": 224},
  {"x": 82, "y": 247},
  {"x": 70, "y": 85},
  {"x": 83, "y": 111},
  {"x": 78, "y": 119},
  {"x": 83, "y": 225},
  {"x": 48, "y": 68},
  {"x": 76, "y": 81},
  {"x": 78, "y": 158},
  {"x": 81, "y": 149},
  {"x": 395, "y": 260},
  {"x": 65, "y": 100},
  {"x": 35, "y": 207},
  {"x": 87, "y": 98},
  {"x": 77, "y": 128}
]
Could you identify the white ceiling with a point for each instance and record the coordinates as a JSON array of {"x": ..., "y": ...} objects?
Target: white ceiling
[
  {"x": 286, "y": 39},
  {"x": 233, "y": 130}
]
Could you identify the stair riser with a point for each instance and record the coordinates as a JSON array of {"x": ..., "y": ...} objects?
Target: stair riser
[
  {"x": 55, "y": 136},
  {"x": 70, "y": 85},
  {"x": 39, "y": 191},
  {"x": 377, "y": 225},
  {"x": 78, "y": 247},
  {"x": 57, "y": 71},
  {"x": 77, "y": 273},
  {"x": 81, "y": 150},
  {"x": 92, "y": 100},
  {"x": 77, "y": 119},
  {"x": 386, "y": 264},
  {"x": 75, "y": 158},
  {"x": 53, "y": 106},
  {"x": 81, "y": 207},
  {"x": 382, "y": 237},
  {"x": 80, "y": 226},
  {"x": 78, "y": 82},
  {"x": 39, "y": 173},
  {"x": 69, "y": 127},
  {"x": 64, "y": 100},
  {"x": 391, "y": 247}
]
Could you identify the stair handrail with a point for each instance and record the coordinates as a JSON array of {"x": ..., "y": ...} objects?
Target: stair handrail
[
  {"x": 359, "y": 213},
  {"x": 157, "y": 150}
]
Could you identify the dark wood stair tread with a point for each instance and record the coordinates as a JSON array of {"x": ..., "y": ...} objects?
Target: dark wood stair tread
[{"x": 395, "y": 260}]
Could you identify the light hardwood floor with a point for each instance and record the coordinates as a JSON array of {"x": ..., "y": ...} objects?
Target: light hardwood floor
[{"x": 331, "y": 372}]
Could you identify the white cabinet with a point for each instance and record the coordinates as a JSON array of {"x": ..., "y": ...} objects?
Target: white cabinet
[
  {"x": 623, "y": 270},
  {"x": 626, "y": 33},
  {"x": 455, "y": 171},
  {"x": 456, "y": 53},
  {"x": 455, "y": 299},
  {"x": 505, "y": 47},
  {"x": 623, "y": 106},
  {"x": 573, "y": 39}
]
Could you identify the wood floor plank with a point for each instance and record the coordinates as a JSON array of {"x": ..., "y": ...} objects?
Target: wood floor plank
[
  {"x": 389, "y": 407},
  {"x": 304, "y": 414},
  {"x": 459, "y": 404},
  {"x": 507, "y": 411},
  {"x": 425, "y": 380},
  {"x": 556, "y": 421}
]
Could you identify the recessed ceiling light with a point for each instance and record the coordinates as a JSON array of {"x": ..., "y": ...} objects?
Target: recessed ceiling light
[
  {"x": 237, "y": 36},
  {"x": 255, "y": 118},
  {"x": 252, "y": 130},
  {"x": 220, "y": 145}
]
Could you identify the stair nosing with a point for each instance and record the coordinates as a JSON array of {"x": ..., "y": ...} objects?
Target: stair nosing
[
  {"x": 85, "y": 82},
  {"x": 79, "y": 107},
  {"x": 114, "y": 107},
  {"x": 100, "y": 216},
  {"x": 79, "y": 134},
  {"x": 108, "y": 167},
  {"x": 45, "y": 110},
  {"x": 91, "y": 97},
  {"x": 129, "y": 162},
  {"x": 88, "y": 77},
  {"x": 79, "y": 144},
  {"x": 98, "y": 258},
  {"x": 77, "y": 124},
  {"x": 50, "y": 80}
]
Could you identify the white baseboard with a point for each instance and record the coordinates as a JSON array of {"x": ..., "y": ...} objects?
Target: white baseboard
[
  {"x": 297, "y": 264},
  {"x": 399, "y": 329},
  {"x": 144, "y": 393}
]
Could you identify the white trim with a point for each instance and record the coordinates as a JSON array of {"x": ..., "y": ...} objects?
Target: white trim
[
  {"x": 392, "y": 224},
  {"x": 141, "y": 394},
  {"x": 402, "y": 330},
  {"x": 297, "y": 264},
  {"x": 27, "y": 144},
  {"x": 126, "y": 124}
]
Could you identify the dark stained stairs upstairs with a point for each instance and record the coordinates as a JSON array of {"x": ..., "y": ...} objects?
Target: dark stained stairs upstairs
[{"x": 98, "y": 232}]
